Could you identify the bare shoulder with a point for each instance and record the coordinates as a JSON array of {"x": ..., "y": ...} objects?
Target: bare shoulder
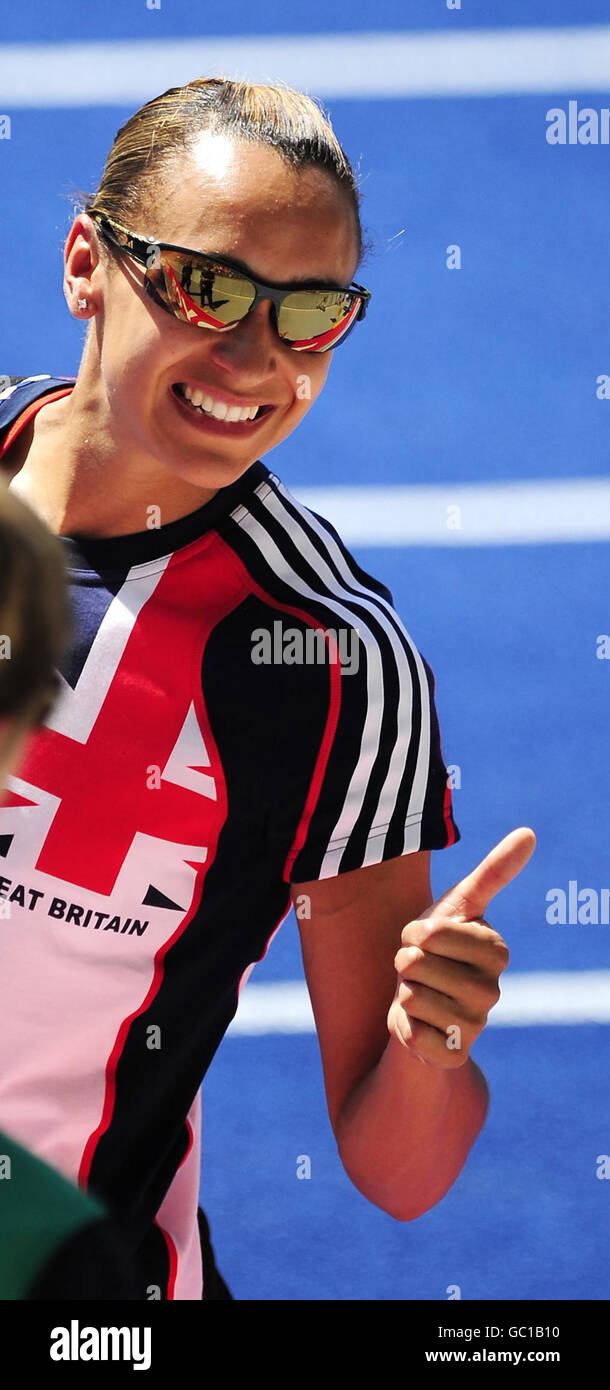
[
  {"x": 15, "y": 456},
  {"x": 34, "y": 432}
]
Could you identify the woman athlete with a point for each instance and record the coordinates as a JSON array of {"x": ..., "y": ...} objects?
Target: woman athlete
[{"x": 213, "y": 754}]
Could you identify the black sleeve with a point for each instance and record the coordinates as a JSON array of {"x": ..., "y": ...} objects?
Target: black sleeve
[{"x": 383, "y": 789}]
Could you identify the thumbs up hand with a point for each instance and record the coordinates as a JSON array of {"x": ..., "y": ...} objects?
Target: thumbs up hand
[{"x": 450, "y": 960}]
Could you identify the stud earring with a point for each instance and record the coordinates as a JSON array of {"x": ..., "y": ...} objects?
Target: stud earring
[{"x": 82, "y": 303}]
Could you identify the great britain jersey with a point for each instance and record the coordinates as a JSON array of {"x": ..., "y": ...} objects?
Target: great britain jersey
[{"x": 189, "y": 772}]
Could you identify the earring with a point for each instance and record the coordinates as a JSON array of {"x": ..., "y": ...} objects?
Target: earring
[{"x": 82, "y": 303}]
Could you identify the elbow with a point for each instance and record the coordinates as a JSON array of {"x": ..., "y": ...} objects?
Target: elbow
[
  {"x": 407, "y": 1168},
  {"x": 406, "y": 1187},
  {"x": 400, "y": 1198}
]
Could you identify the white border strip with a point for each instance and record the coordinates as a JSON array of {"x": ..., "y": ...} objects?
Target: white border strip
[
  {"x": 524, "y": 513},
  {"x": 528, "y": 1001},
  {"x": 477, "y": 62}
]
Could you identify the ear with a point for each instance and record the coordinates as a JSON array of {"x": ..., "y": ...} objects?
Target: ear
[{"x": 81, "y": 267}]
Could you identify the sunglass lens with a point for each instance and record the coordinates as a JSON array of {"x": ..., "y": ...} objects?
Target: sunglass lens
[
  {"x": 316, "y": 322},
  {"x": 201, "y": 293}
]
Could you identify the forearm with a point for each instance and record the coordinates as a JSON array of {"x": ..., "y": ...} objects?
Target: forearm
[{"x": 406, "y": 1129}]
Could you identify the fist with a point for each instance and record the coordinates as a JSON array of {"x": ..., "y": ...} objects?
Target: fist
[{"x": 450, "y": 960}]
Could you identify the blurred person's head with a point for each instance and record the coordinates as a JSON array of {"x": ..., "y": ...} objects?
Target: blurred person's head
[
  {"x": 250, "y": 172},
  {"x": 34, "y": 625}
]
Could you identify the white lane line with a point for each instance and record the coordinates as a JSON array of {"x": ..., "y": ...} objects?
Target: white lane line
[
  {"x": 574, "y": 996},
  {"x": 478, "y": 62},
  {"x": 284, "y": 1008},
  {"x": 528, "y": 1000},
  {"x": 521, "y": 513}
]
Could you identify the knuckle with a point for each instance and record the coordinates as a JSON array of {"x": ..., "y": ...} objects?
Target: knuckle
[
  {"x": 435, "y": 932},
  {"x": 499, "y": 943},
  {"x": 503, "y": 955},
  {"x": 406, "y": 957},
  {"x": 400, "y": 960},
  {"x": 475, "y": 1021},
  {"x": 411, "y": 929}
]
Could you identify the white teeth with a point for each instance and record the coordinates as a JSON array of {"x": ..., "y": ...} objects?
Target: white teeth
[{"x": 218, "y": 409}]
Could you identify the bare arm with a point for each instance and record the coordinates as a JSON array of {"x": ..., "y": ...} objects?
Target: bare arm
[{"x": 404, "y": 1108}]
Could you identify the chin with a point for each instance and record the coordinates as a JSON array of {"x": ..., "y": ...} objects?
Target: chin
[{"x": 212, "y": 474}]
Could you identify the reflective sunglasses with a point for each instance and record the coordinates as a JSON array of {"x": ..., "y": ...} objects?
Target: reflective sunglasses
[{"x": 213, "y": 292}]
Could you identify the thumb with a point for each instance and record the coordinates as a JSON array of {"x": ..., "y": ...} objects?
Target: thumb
[{"x": 469, "y": 898}]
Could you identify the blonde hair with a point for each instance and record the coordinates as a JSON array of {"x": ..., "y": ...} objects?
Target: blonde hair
[
  {"x": 34, "y": 613},
  {"x": 162, "y": 131}
]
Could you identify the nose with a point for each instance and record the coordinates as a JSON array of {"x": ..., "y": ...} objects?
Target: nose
[{"x": 253, "y": 342}]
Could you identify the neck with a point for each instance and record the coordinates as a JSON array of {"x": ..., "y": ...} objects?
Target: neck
[{"x": 73, "y": 469}]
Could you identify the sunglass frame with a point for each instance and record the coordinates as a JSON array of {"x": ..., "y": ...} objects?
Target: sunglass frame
[{"x": 140, "y": 247}]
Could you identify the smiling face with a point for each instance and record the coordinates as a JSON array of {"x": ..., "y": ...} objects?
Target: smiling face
[{"x": 240, "y": 200}]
